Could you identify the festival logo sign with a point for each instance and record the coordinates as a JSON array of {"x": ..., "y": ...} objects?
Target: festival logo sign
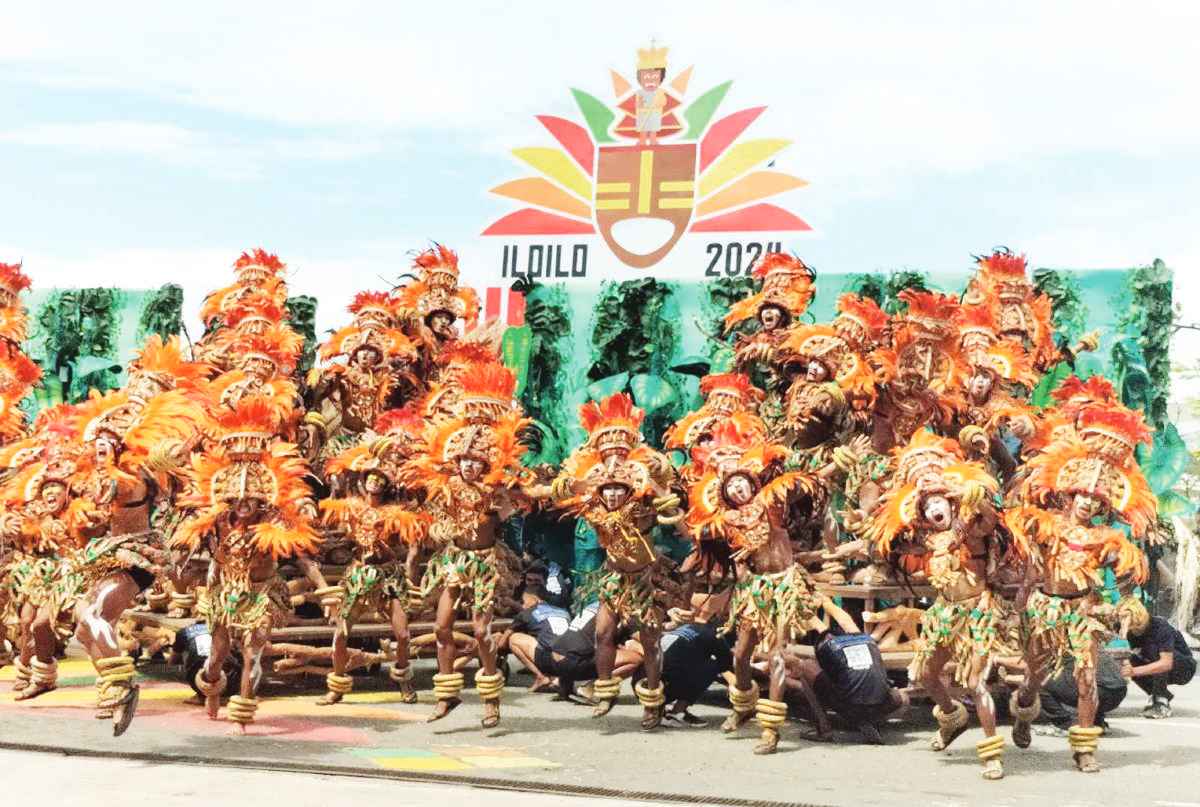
[{"x": 643, "y": 173}]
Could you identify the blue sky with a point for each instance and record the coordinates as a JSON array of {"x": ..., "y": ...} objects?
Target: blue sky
[{"x": 146, "y": 143}]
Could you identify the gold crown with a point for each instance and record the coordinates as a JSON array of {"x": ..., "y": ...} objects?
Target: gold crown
[{"x": 652, "y": 58}]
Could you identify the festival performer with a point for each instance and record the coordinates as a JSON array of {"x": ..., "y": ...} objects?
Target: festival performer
[
  {"x": 434, "y": 304},
  {"x": 1079, "y": 479},
  {"x": 920, "y": 370},
  {"x": 940, "y": 505},
  {"x": 470, "y": 474},
  {"x": 18, "y": 375},
  {"x": 787, "y": 289},
  {"x": 1022, "y": 314},
  {"x": 250, "y": 506},
  {"x": 816, "y": 417},
  {"x": 262, "y": 367},
  {"x": 726, "y": 395},
  {"x": 992, "y": 412},
  {"x": 864, "y": 328},
  {"x": 259, "y": 290},
  {"x": 13, "y": 317},
  {"x": 384, "y": 535},
  {"x": 743, "y": 499},
  {"x": 622, "y": 487},
  {"x": 444, "y": 380},
  {"x": 136, "y": 442},
  {"x": 650, "y": 98},
  {"x": 39, "y": 526},
  {"x": 347, "y": 398}
]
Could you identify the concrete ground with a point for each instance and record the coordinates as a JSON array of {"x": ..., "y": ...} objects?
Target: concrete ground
[{"x": 547, "y": 745}]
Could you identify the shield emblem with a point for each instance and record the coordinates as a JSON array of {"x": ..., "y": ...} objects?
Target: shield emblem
[{"x": 644, "y": 199}]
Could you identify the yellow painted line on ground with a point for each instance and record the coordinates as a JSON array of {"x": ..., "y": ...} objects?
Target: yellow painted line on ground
[
  {"x": 674, "y": 204},
  {"x": 613, "y": 187},
  {"x": 420, "y": 763},
  {"x": 612, "y": 204},
  {"x": 676, "y": 185}
]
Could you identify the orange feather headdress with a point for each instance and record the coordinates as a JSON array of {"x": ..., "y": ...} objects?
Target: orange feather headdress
[
  {"x": 374, "y": 308},
  {"x": 1098, "y": 461},
  {"x": 145, "y": 430},
  {"x": 279, "y": 345},
  {"x": 390, "y": 343},
  {"x": 612, "y": 424},
  {"x": 165, "y": 367},
  {"x": 247, "y": 463},
  {"x": 787, "y": 283},
  {"x": 860, "y": 321},
  {"x": 13, "y": 319},
  {"x": 845, "y": 366},
  {"x": 1073, "y": 394},
  {"x": 737, "y": 451},
  {"x": 262, "y": 295},
  {"x": 257, "y": 266},
  {"x": 437, "y": 288},
  {"x": 1009, "y": 362},
  {"x": 12, "y": 279},
  {"x": 931, "y": 314},
  {"x": 729, "y": 392}
]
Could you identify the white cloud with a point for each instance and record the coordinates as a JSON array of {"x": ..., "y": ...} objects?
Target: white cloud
[
  {"x": 229, "y": 156},
  {"x": 867, "y": 91}
]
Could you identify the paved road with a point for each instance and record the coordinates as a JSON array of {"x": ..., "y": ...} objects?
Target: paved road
[
  {"x": 99, "y": 782},
  {"x": 543, "y": 743}
]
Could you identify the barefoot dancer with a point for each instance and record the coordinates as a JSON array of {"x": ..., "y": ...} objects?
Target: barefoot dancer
[
  {"x": 943, "y": 503},
  {"x": 743, "y": 498},
  {"x": 1079, "y": 478},
  {"x": 621, "y": 487},
  {"x": 252, "y": 506},
  {"x": 471, "y": 475},
  {"x": 378, "y": 579},
  {"x": 137, "y": 436}
]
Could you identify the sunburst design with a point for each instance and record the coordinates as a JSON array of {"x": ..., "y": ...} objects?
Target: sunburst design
[{"x": 728, "y": 191}]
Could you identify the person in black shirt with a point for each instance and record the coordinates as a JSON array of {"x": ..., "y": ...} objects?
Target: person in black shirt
[
  {"x": 572, "y": 656},
  {"x": 693, "y": 653},
  {"x": 849, "y": 678},
  {"x": 1060, "y": 695},
  {"x": 693, "y": 657},
  {"x": 1161, "y": 657},
  {"x": 536, "y": 626}
]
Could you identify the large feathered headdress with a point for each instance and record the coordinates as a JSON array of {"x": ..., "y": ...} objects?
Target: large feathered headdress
[
  {"x": 18, "y": 374},
  {"x": 735, "y": 451},
  {"x": 612, "y": 424},
  {"x": 1098, "y": 461},
  {"x": 437, "y": 288},
  {"x": 248, "y": 463},
  {"x": 860, "y": 321},
  {"x": 786, "y": 284},
  {"x": 12, "y": 314}
]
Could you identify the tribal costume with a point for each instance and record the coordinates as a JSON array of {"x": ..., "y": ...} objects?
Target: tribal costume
[
  {"x": 42, "y": 530},
  {"x": 726, "y": 395},
  {"x": 787, "y": 289},
  {"x": 945, "y": 506},
  {"x": 250, "y": 506},
  {"x": 434, "y": 303},
  {"x": 139, "y": 438},
  {"x": 350, "y": 396},
  {"x": 377, "y": 579},
  {"x": 990, "y": 411},
  {"x": 621, "y": 488},
  {"x": 1085, "y": 472},
  {"x": 743, "y": 499},
  {"x": 920, "y": 369},
  {"x": 470, "y": 473}
]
